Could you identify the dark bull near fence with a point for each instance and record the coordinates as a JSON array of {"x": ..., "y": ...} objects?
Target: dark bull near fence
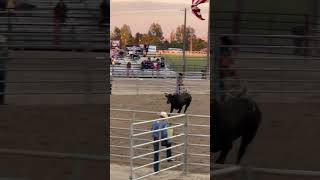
[
  {"x": 236, "y": 117},
  {"x": 177, "y": 101}
]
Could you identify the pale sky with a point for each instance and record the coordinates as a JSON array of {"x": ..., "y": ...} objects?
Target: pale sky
[{"x": 140, "y": 14}]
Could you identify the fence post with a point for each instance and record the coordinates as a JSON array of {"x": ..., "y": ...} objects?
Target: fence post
[
  {"x": 159, "y": 152},
  {"x": 185, "y": 155},
  {"x": 131, "y": 146}
]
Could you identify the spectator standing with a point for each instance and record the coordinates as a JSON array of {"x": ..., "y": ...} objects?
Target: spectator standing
[
  {"x": 157, "y": 125},
  {"x": 60, "y": 16},
  {"x": 146, "y": 48},
  {"x": 179, "y": 83},
  {"x": 128, "y": 68}
]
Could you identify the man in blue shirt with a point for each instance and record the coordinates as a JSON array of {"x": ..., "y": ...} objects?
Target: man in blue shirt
[{"x": 161, "y": 124}]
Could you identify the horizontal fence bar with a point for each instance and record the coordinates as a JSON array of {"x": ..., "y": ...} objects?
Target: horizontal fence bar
[
  {"x": 142, "y": 177},
  {"x": 157, "y": 130},
  {"x": 147, "y": 154},
  {"x": 201, "y": 155},
  {"x": 147, "y": 143},
  {"x": 156, "y": 162},
  {"x": 125, "y": 156},
  {"x": 199, "y": 145},
  {"x": 198, "y": 125},
  {"x": 199, "y": 164},
  {"x": 199, "y": 135},
  {"x": 159, "y": 119},
  {"x": 125, "y": 147},
  {"x": 151, "y": 159}
]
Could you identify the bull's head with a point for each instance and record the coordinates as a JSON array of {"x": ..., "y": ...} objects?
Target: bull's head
[{"x": 169, "y": 98}]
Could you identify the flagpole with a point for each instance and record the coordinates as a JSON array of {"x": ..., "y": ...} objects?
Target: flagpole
[{"x": 184, "y": 40}]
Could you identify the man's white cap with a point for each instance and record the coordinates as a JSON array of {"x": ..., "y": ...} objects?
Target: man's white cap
[{"x": 164, "y": 114}]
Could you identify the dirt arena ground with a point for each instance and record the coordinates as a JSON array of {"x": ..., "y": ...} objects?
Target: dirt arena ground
[{"x": 200, "y": 105}]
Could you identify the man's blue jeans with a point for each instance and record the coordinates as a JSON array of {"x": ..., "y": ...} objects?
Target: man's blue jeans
[{"x": 156, "y": 155}]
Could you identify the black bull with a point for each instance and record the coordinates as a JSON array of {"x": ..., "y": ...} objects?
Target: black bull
[
  {"x": 177, "y": 101},
  {"x": 235, "y": 118}
]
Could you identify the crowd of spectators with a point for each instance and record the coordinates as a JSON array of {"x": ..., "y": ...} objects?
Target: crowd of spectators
[{"x": 156, "y": 65}]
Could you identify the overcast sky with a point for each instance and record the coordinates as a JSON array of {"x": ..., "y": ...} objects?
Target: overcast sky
[{"x": 140, "y": 14}]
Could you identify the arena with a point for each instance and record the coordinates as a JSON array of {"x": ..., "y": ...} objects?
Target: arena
[{"x": 145, "y": 103}]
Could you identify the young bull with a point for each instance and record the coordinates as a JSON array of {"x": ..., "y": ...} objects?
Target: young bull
[
  {"x": 177, "y": 101},
  {"x": 237, "y": 117}
]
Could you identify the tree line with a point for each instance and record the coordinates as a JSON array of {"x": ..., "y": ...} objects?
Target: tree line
[{"x": 155, "y": 36}]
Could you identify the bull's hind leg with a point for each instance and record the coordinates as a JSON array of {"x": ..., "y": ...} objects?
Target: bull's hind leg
[
  {"x": 223, "y": 155},
  {"x": 185, "y": 109},
  {"x": 245, "y": 141}
]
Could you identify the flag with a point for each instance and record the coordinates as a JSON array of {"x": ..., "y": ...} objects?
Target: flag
[{"x": 195, "y": 10}]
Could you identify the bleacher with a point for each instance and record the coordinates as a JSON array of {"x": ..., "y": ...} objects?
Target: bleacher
[{"x": 36, "y": 29}]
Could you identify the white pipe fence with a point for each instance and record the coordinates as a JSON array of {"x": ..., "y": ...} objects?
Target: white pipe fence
[
  {"x": 133, "y": 146},
  {"x": 145, "y": 151}
]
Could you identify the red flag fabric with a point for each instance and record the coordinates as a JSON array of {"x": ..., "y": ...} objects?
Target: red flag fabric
[{"x": 195, "y": 10}]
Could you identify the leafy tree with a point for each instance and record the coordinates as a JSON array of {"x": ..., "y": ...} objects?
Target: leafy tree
[
  {"x": 116, "y": 34},
  {"x": 155, "y": 34},
  {"x": 126, "y": 36},
  {"x": 199, "y": 44},
  {"x": 138, "y": 39}
]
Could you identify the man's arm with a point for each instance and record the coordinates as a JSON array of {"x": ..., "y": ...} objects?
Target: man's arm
[{"x": 155, "y": 127}]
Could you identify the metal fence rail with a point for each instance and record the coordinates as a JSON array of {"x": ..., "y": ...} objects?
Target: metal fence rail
[{"x": 133, "y": 145}]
